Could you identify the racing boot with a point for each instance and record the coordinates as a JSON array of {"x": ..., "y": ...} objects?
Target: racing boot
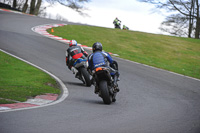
[
  {"x": 92, "y": 81},
  {"x": 113, "y": 99},
  {"x": 118, "y": 79},
  {"x": 77, "y": 75},
  {"x": 73, "y": 70},
  {"x": 116, "y": 88}
]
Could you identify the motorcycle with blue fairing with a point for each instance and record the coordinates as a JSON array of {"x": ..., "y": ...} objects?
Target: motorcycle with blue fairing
[
  {"x": 104, "y": 83},
  {"x": 81, "y": 72}
]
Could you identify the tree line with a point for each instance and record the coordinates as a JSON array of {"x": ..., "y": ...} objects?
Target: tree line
[
  {"x": 184, "y": 19},
  {"x": 34, "y": 6}
]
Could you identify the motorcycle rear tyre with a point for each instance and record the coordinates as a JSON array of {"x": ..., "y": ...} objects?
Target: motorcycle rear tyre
[{"x": 107, "y": 98}]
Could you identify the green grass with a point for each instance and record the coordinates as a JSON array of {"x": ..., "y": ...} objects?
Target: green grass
[
  {"x": 6, "y": 101},
  {"x": 180, "y": 55},
  {"x": 19, "y": 81}
]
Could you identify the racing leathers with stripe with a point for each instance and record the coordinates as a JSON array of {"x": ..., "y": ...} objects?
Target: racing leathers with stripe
[
  {"x": 98, "y": 59},
  {"x": 73, "y": 53}
]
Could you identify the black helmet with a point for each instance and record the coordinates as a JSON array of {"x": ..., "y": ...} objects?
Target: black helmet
[{"x": 97, "y": 46}]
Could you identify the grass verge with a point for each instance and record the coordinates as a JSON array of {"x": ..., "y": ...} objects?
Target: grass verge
[
  {"x": 180, "y": 55},
  {"x": 19, "y": 81}
]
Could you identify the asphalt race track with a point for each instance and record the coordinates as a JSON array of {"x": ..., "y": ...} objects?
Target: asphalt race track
[{"x": 150, "y": 100}]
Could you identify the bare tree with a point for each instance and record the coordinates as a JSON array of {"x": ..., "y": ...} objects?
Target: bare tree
[
  {"x": 9, "y": 2},
  {"x": 25, "y": 7},
  {"x": 14, "y": 3},
  {"x": 175, "y": 25},
  {"x": 187, "y": 9},
  {"x": 197, "y": 30},
  {"x": 191, "y": 18},
  {"x": 34, "y": 6},
  {"x": 37, "y": 7},
  {"x": 77, "y": 5}
]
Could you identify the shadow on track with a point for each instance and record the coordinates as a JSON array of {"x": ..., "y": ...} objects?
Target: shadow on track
[{"x": 75, "y": 84}]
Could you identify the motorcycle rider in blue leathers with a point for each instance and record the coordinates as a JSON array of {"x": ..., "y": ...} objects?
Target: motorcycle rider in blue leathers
[{"x": 99, "y": 58}]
